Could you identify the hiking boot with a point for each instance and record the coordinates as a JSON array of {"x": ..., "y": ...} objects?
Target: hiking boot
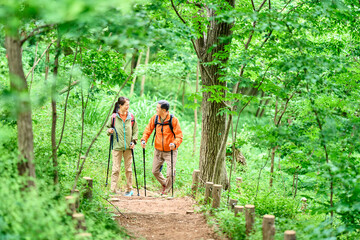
[
  {"x": 129, "y": 194},
  {"x": 163, "y": 190}
]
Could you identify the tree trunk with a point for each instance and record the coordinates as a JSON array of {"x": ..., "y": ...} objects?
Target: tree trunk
[
  {"x": 134, "y": 79},
  {"x": 24, "y": 119},
  {"x": 32, "y": 70},
  {"x": 213, "y": 125},
  {"x": 273, "y": 150},
  {"x": 184, "y": 89},
  {"x": 54, "y": 114},
  {"x": 144, "y": 76},
  {"x": 47, "y": 62},
  {"x": 195, "y": 110}
]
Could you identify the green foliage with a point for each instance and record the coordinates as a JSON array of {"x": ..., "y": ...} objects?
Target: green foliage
[
  {"x": 233, "y": 226},
  {"x": 301, "y": 69}
]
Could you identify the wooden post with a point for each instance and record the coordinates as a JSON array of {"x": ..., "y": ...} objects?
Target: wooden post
[
  {"x": 216, "y": 195},
  {"x": 290, "y": 235},
  {"x": 83, "y": 236},
  {"x": 238, "y": 209},
  {"x": 238, "y": 183},
  {"x": 89, "y": 186},
  {"x": 268, "y": 227},
  {"x": 249, "y": 217},
  {"x": 70, "y": 200},
  {"x": 232, "y": 203},
  {"x": 80, "y": 221},
  {"x": 76, "y": 195},
  {"x": 208, "y": 192},
  {"x": 195, "y": 184}
]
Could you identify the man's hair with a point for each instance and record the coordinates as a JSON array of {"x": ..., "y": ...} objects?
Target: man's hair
[{"x": 164, "y": 104}]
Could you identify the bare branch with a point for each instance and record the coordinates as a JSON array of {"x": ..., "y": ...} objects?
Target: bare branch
[
  {"x": 66, "y": 101},
  {"x": 284, "y": 110},
  {"x": 176, "y": 11},
  {"x": 37, "y": 30},
  {"x": 262, "y": 4},
  {"x": 35, "y": 64},
  {"x": 200, "y": 59},
  {"x": 267, "y": 38},
  {"x": 253, "y": 5},
  {"x": 286, "y": 5},
  {"x": 250, "y": 37}
]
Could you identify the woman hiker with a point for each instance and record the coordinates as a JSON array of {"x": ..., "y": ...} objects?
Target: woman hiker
[{"x": 124, "y": 128}]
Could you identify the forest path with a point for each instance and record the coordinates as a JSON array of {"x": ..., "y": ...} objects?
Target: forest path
[{"x": 160, "y": 217}]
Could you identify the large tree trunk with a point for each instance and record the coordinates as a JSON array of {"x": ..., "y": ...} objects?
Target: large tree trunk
[
  {"x": 195, "y": 110},
  {"x": 213, "y": 125},
  {"x": 24, "y": 120}
]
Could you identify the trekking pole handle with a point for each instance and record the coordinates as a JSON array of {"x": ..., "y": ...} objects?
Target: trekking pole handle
[{"x": 131, "y": 143}]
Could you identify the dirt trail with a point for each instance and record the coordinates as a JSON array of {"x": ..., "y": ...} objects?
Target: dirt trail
[{"x": 157, "y": 217}]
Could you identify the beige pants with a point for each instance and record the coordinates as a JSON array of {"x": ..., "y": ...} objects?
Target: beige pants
[
  {"x": 117, "y": 156},
  {"x": 159, "y": 159}
]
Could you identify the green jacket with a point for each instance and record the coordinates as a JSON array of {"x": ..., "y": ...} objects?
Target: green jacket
[{"x": 124, "y": 131}]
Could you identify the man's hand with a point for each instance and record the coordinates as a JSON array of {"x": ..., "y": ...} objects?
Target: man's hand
[
  {"x": 143, "y": 144},
  {"x": 110, "y": 130},
  {"x": 172, "y": 146},
  {"x": 132, "y": 145}
]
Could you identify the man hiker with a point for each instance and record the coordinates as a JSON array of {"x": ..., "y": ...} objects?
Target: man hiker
[
  {"x": 123, "y": 127},
  {"x": 168, "y": 137}
]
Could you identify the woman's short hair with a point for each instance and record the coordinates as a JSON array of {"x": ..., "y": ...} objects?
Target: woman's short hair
[{"x": 164, "y": 104}]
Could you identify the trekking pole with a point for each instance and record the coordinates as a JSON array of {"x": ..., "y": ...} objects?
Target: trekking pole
[
  {"x": 172, "y": 175},
  {"x": 143, "y": 142},
  {"x": 132, "y": 152},
  {"x": 107, "y": 172}
]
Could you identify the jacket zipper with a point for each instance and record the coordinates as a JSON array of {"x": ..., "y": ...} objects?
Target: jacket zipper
[
  {"x": 124, "y": 134},
  {"x": 162, "y": 132}
]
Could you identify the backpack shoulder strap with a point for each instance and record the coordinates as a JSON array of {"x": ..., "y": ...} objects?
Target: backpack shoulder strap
[
  {"x": 113, "y": 125},
  {"x": 132, "y": 119},
  {"x": 156, "y": 123},
  {"x": 170, "y": 124},
  {"x": 113, "y": 120}
]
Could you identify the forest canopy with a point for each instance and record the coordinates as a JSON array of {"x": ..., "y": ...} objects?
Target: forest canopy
[{"x": 267, "y": 90}]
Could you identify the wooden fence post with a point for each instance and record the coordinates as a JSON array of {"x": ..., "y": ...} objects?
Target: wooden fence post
[
  {"x": 89, "y": 187},
  {"x": 76, "y": 195},
  {"x": 216, "y": 195},
  {"x": 238, "y": 209},
  {"x": 290, "y": 235},
  {"x": 70, "y": 200},
  {"x": 83, "y": 236},
  {"x": 232, "y": 204},
  {"x": 268, "y": 227},
  {"x": 208, "y": 192},
  {"x": 80, "y": 221},
  {"x": 249, "y": 217},
  {"x": 195, "y": 184}
]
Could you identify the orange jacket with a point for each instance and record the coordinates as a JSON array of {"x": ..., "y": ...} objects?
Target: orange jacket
[{"x": 164, "y": 136}]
